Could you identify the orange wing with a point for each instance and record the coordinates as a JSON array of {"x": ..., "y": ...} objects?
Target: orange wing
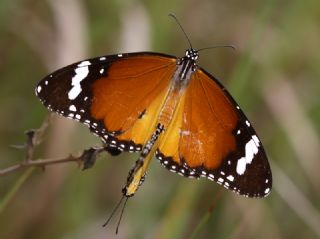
[
  {"x": 208, "y": 123},
  {"x": 116, "y": 96},
  {"x": 211, "y": 137}
]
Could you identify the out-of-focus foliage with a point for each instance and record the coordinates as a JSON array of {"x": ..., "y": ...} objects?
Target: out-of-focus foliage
[{"x": 274, "y": 75}]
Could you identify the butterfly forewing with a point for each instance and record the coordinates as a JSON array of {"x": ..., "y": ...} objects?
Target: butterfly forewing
[{"x": 116, "y": 96}]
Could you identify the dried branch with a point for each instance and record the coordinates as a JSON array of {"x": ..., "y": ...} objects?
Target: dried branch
[
  {"x": 86, "y": 159},
  {"x": 34, "y": 138}
]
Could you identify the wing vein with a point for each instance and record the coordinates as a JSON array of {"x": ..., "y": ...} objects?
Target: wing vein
[{"x": 208, "y": 101}]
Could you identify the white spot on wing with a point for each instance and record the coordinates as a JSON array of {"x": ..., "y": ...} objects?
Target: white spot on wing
[
  {"x": 256, "y": 140},
  {"x": 81, "y": 73},
  {"x": 72, "y": 108},
  {"x": 230, "y": 178},
  {"x": 39, "y": 88},
  {"x": 251, "y": 149},
  {"x": 84, "y": 63},
  {"x": 241, "y": 166}
]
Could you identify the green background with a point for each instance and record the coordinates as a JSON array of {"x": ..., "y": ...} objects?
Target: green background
[{"x": 274, "y": 75}]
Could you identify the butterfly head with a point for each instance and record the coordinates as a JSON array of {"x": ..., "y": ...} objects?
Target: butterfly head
[{"x": 192, "y": 54}]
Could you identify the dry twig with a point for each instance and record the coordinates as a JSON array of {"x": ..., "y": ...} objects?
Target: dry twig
[{"x": 34, "y": 138}]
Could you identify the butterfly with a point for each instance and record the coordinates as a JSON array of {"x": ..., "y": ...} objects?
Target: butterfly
[{"x": 163, "y": 106}]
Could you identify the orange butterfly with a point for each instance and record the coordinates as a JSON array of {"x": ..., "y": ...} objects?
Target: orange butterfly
[{"x": 157, "y": 104}]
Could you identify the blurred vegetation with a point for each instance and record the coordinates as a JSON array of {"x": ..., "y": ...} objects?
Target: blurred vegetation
[{"x": 274, "y": 75}]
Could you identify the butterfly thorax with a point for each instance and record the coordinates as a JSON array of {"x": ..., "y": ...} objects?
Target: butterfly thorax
[{"x": 188, "y": 64}]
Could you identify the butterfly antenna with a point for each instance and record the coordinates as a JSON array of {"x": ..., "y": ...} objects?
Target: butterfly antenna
[
  {"x": 114, "y": 210},
  {"x": 177, "y": 21},
  {"x": 211, "y": 47},
  {"x": 124, "y": 205}
]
